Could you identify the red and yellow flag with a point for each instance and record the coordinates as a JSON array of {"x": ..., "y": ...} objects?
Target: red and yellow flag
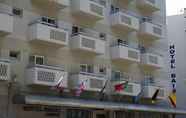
[{"x": 172, "y": 99}]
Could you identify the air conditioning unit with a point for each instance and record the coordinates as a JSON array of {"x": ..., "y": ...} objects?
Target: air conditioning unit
[
  {"x": 48, "y": 21},
  {"x": 36, "y": 60}
]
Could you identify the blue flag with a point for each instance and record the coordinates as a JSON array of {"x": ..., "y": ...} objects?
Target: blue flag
[{"x": 137, "y": 98}]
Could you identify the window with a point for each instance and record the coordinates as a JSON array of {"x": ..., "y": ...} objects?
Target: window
[
  {"x": 90, "y": 68},
  {"x": 49, "y": 21},
  {"x": 83, "y": 68},
  {"x": 39, "y": 60},
  {"x": 35, "y": 59},
  {"x": 14, "y": 55},
  {"x": 157, "y": 30},
  {"x": 86, "y": 68},
  {"x": 103, "y": 70},
  {"x": 116, "y": 75},
  {"x": 17, "y": 12},
  {"x": 78, "y": 113}
]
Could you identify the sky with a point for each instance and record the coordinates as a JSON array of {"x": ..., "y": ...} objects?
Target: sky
[{"x": 175, "y": 6}]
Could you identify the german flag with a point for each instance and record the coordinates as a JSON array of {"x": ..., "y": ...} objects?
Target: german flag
[
  {"x": 172, "y": 98},
  {"x": 155, "y": 95}
]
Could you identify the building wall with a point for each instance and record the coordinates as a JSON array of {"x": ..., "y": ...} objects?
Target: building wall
[
  {"x": 33, "y": 9},
  {"x": 176, "y": 35}
]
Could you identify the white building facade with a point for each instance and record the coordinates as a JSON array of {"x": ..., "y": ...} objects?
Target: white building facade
[{"x": 89, "y": 48}]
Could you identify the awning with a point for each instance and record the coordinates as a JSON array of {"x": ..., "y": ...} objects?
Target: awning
[{"x": 66, "y": 102}]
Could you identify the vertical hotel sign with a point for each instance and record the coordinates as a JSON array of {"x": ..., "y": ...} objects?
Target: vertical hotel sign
[{"x": 172, "y": 53}]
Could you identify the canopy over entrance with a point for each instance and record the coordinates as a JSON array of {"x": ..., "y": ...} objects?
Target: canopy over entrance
[{"x": 67, "y": 102}]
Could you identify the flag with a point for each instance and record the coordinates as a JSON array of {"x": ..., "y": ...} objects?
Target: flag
[
  {"x": 136, "y": 99},
  {"x": 121, "y": 86},
  {"x": 59, "y": 85},
  {"x": 155, "y": 95},
  {"x": 81, "y": 88},
  {"x": 102, "y": 90},
  {"x": 172, "y": 99}
]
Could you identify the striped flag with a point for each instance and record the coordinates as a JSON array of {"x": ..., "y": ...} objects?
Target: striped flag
[
  {"x": 81, "y": 88},
  {"x": 155, "y": 95},
  {"x": 172, "y": 99},
  {"x": 59, "y": 85},
  {"x": 137, "y": 98},
  {"x": 102, "y": 90}
]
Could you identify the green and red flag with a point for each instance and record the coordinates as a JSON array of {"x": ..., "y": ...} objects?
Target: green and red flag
[{"x": 121, "y": 86}]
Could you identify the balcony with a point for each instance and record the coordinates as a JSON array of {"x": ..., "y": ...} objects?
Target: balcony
[
  {"x": 52, "y": 3},
  {"x": 124, "y": 22},
  {"x": 84, "y": 43},
  {"x": 123, "y": 2},
  {"x": 124, "y": 53},
  {"x": 88, "y": 10},
  {"x": 148, "y": 5},
  {"x": 6, "y": 24},
  {"x": 149, "y": 91},
  {"x": 93, "y": 82},
  {"x": 151, "y": 31},
  {"x": 41, "y": 33},
  {"x": 43, "y": 75},
  {"x": 152, "y": 60},
  {"x": 4, "y": 70}
]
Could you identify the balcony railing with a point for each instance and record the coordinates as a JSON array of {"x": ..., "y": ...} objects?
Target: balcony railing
[
  {"x": 89, "y": 9},
  {"x": 124, "y": 52},
  {"x": 4, "y": 70},
  {"x": 132, "y": 88},
  {"x": 49, "y": 34},
  {"x": 152, "y": 60},
  {"x": 124, "y": 20},
  {"x": 149, "y": 30},
  {"x": 93, "y": 82},
  {"x": 149, "y": 91},
  {"x": 6, "y": 23},
  {"x": 44, "y": 75},
  {"x": 57, "y": 3},
  {"x": 123, "y": 3},
  {"x": 87, "y": 43},
  {"x": 148, "y": 5}
]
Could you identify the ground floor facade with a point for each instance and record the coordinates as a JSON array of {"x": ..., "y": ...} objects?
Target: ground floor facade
[
  {"x": 47, "y": 112},
  {"x": 38, "y": 106}
]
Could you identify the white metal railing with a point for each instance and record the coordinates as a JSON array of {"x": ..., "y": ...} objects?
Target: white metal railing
[
  {"x": 90, "y": 74},
  {"x": 144, "y": 50},
  {"x": 152, "y": 21},
  {"x": 120, "y": 42},
  {"x": 150, "y": 81},
  {"x": 128, "y": 12},
  {"x": 101, "y": 2},
  {"x": 4, "y": 69},
  {"x": 124, "y": 77},
  {"x": 87, "y": 32},
  {"x": 45, "y": 75},
  {"x": 40, "y": 21}
]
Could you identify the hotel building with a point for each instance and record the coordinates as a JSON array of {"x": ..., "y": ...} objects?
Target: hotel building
[
  {"x": 176, "y": 35},
  {"x": 88, "y": 47}
]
